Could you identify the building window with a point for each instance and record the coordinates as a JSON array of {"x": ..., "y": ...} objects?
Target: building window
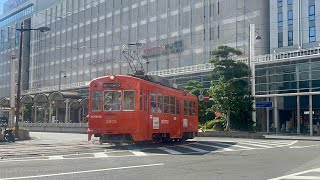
[
  {"x": 289, "y": 2},
  {"x": 280, "y": 39},
  {"x": 290, "y": 17},
  {"x": 280, "y": 20},
  {"x": 211, "y": 34},
  {"x": 211, "y": 8},
  {"x": 279, "y": 3},
  {"x": 311, "y": 13},
  {"x": 312, "y": 34},
  {"x": 9, "y": 37},
  {"x": 2, "y": 39},
  {"x": 290, "y": 38},
  {"x": 17, "y": 35}
]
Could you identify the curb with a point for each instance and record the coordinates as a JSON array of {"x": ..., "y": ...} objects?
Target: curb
[
  {"x": 292, "y": 138},
  {"x": 231, "y": 134}
]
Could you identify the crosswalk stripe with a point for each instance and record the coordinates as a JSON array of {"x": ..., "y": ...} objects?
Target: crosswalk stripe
[
  {"x": 100, "y": 155},
  {"x": 304, "y": 177},
  {"x": 194, "y": 149},
  {"x": 55, "y": 157},
  {"x": 244, "y": 147},
  {"x": 214, "y": 146},
  {"x": 171, "y": 151},
  {"x": 138, "y": 153},
  {"x": 254, "y": 144},
  {"x": 268, "y": 143}
]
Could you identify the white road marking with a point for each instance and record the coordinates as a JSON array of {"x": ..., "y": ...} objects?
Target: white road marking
[
  {"x": 297, "y": 175},
  {"x": 268, "y": 143},
  {"x": 169, "y": 150},
  {"x": 101, "y": 154},
  {"x": 55, "y": 157},
  {"x": 81, "y": 172},
  {"x": 138, "y": 153},
  {"x": 235, "y": 145},
  {"x": 194, "y": 149},
  {"x": 217, "y": 147},
  {"x": 299, "y": 147},
  {"x": 255, "y": 144},
  {"x": 305, "y": 177}
]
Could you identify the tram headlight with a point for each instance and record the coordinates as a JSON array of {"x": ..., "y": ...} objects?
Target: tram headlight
[{"x": 112, "y": 78}]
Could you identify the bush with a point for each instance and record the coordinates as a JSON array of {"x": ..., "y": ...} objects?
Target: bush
[{"x": 212, "y": 123}]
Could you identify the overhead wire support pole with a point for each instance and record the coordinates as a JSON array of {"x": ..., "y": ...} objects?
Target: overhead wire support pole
[
  {"x": 253, "y": 73},
  {"x": 19, "y": 84}
]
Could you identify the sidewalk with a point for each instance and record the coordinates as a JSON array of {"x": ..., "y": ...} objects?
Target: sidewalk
[{"x": 292, "y": 137}]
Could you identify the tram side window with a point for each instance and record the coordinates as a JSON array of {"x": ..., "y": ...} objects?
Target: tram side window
[
  {"x": 172, "y": 105},
  {"x": 141, "y": 100},
  {"x": 112, "y": 100},
  {"x": 146, "y": 102},
  {"x": 153, "y": 102},
  {"x": 185, "y": 108},
  {"x": 129, "y": 100},
  {"x": 166, "y": 104},
  {"x": 96, "y": 100},
  {"x": 190, "y": 108},
  {"x": 160, "y": 103},
  {"x": 178, "y": 106},
  {"x": 193, "y": 108}
]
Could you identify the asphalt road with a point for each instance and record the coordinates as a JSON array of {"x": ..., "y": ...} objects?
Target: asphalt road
[{"x": 69, "y": 156}]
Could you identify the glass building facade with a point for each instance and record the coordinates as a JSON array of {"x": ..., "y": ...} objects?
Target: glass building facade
[{"x": 87, "y": 36}]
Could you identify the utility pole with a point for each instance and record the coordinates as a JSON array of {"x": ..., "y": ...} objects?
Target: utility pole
[
  {"x": 12, "y": 90},
  {"x": 253, "y": 72}
]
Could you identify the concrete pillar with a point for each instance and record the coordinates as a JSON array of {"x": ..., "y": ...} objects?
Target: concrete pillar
[
  {"x": 50, "y": 112},
  {"x": 22, "y": 112},
  {"x": 310, "y": 99},
  {"x": 79, "y": 115},
  {"x": 67, "y": 107},
  {"x": 268, "y": 120},
  {"x": 298, "y": 100},
  {"x": 276, "y": 114},
  {"x": 292, "y": 120},
  {"x": 310, "y": 115},
  {"x": 82, "y": 117},
  {"x": 57, "y": 113},
  {"x": 35, "y": 112},
  {"x": 32, "y": 114}
]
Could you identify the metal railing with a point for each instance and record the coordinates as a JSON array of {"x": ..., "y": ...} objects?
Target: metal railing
[
  {"x": 262, "y": 59},
  {"x": 184, "y": 70}
]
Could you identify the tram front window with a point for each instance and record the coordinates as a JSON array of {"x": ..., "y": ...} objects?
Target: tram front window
[
  {"x": 112, "y": 100},
  {"x": 129, "y": 100}
]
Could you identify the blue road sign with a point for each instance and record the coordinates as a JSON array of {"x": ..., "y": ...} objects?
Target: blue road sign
[{"x": 266, "y": 104}]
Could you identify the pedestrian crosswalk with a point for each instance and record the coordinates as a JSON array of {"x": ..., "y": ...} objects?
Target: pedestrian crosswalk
[
  {"x": 308, "y": 174},
  {"x": 189, "y": 147}
]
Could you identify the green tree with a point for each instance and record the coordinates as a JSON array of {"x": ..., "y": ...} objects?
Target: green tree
[
  {"x": 194, "y": 87},
  {"x": 27, "y": 111},
  {"x": 230, "y": 93}
]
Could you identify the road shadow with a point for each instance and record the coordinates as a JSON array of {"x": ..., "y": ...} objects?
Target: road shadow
[{"x": 176, "y": 148}]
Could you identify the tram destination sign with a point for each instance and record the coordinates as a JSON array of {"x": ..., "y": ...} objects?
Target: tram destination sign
[{"x": 264, "y": 104}]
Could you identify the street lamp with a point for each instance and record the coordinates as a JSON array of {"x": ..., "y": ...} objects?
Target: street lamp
[
  {"x": 64, "y": 75},
  {"x": 41, "y": 29},
  {"x": 253, "y": 37}
]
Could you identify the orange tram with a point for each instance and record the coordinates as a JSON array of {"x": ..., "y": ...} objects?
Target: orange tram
[{"x": 128, "y": 108}]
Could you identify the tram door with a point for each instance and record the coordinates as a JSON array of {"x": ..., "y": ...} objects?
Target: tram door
[{"x": 146, "y": 110}]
